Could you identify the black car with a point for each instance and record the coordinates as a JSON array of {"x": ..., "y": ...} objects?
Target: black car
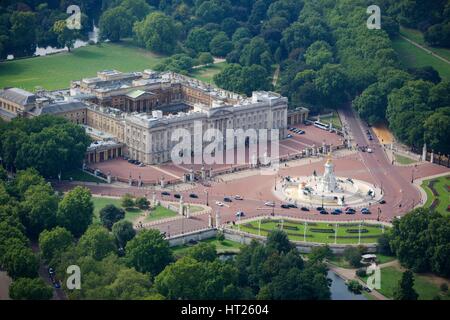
[
  {"x": 165, "y": 193},
  {"x": 382, "y": 201},
  {"x": 323, "y": 212},
  {"x": 285, "y": 206},
  {"x": 130, "y": 161},
  {"x": 291, "y": 205},
  {"x": 176, "y": 195},
  {"x": 227, "y": 199},
  {"x": 193, "y": 195},
  {"x": 304, "y": 209},
  {"x": 320, "y": 208}
]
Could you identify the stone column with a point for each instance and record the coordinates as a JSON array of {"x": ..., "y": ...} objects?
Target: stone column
[
  {"x": 424, "y": 152},
  {"x": 432, "y": 156},
  {"x": 181, "y": 206},
  {"x": 217, "y": 219},
  {"x": 210, "y": 225},
  {"x": 154, "y": 199},
  {"x": 203, "y": 173},
  {"x": 191, "y": 175},
  {"x": 162, "y": 183},
  {"x": 108, "y": 177},
  {"x": 188, "y": 211}
]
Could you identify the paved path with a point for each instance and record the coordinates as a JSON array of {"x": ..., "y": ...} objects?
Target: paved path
[{"x": 425, "y": 49}]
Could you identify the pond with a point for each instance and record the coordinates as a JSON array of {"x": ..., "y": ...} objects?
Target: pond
[
  {"x": 339, "y": 289},
  {"x": 41, "y": 51}
]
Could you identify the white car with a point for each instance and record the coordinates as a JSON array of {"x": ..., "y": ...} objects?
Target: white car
[
  {"x": 269, "y": 204},
  {"x": 220, "y": 204},
  {"x": 238, "y": 197}
]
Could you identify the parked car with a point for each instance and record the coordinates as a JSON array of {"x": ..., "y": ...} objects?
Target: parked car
[
  {"x": 336, "y": 211},
  {"x": 369, "y": 150},
  {"x": 301, "y": 132},
  {"x": 270, "y": 204},
  {"x": 323, "y": 212},
  {"x": 165, "y": 193},
  {"x": 304, "y": 209},
  {"x": 227, "y": 199},
  {"x": 320, "y": 208},
  {"x": 177, "y": 195},
  {"x": 365, "y": 211},
  {"x": 220, "y": 204},
  {"x": 240, "y": 214},
  {"x": 193, "y": 195},
  {"x": 238, "y": 197},
  {"x": 289, "y": 136},
  {"x": 382, "y": 201},
  {"x": 141, "y": 165},
  {"x": 285, "y": 206},
  {"x": 292, "y": 205},
  {"x": 350, "y": 212}
]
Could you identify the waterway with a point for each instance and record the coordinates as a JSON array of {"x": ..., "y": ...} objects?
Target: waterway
[{"x": 339, "y": 290}]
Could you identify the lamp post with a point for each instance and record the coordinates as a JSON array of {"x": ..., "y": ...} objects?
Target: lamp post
[
  {"x": 207, "y": 201},
  {"x": 275, "y": 183}
]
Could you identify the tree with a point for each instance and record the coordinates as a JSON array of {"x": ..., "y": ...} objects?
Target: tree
[
  {"x": 319, "y": 254},
  {"x": 25, "y": 179},
  {"x": 123, "y": 231},
  {"x": 251, "y": 54},
  {"x": 127, "y": 201},
  {"x": 203, "y": 252},
  {"x": 405, "y": 289},
  {"x": 220, "y": 45},
  {"x": 198, "y": 39},
  {"x": 188, "y": 278},
  {"x": 97, "y": 242},
  {"x": 66, "y": 37},
  {"x": 353, "y": 256},
  {"x": 20, "y": 261},
  {"x": 148, "y": 252},
  {"x": 436, "y": 127},
  {"x": 23, "y": 33},
  {"x": 130, "y": 285},
  {"x": 142, "y": 203},
  {"x": 205, "y": 58},
  {"x": 278, "y": 240},
  {"x": 115, "y": 24},
  {"x": 157, "y": 32},
  {"x": 39, "y": 209},
  {"x": 331, "y": 82},
  {"x": 110, "y": 214},
  {"x": 30, "y": 289},
  {"x": 54, "y": 242},
  {"x": 319, "y": 54},
  {"x": 75, "y": 211}
]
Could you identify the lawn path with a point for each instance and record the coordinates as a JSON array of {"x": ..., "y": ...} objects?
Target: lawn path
[{"x": 425, "y": 49}]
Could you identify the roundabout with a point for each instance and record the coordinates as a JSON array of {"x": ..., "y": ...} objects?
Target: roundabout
[{"x": 327, "y": 190}]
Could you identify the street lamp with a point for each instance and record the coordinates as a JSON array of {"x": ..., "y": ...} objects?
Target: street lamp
[
  {"x": 275, "y": 183},
  {"x": 322, "y": 201},
  {"x": 207, "y": 202}
]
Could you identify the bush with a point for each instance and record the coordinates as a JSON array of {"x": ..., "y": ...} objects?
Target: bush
[
  {"x": 142, "y": 203},
  {"x": 127, "y": 201},
  {"x": 354, "y": 286},
  {"x": 444, "y": 287},
  {"x": 361, "y": 272}
]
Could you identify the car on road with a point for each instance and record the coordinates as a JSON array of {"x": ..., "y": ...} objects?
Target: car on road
[
  {"x": 365, "y": 211},
  {"x": 238, "y": 197},
  {"x": 165, "y": 193},
  {"x": 289, "y": 136},
  {"x": 269, "y": 204},
  {"x": 320, "y": 208},
  {"x": 350, "y": 211},
  {"x": 336, "y": 211},
  {"x": 304, "y": 209},
  {"x": 177, "y": 195},
  {"x": 292, "y": 205},
  {"x": 323, "y": 212},
  {"x": 240, "y": 214},
  {"x": 220, "y": 204},
  {"x": 382, "y": 201},
  {"x": 193, "y": 195},
  {"x": 301, "y": 132},
  {"x": 227, "y": 199},
  {"x": 285, "y": 206},
  {"x": 369, "y": 150}
]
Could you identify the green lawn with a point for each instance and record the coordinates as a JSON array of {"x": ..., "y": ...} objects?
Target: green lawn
[
  {"x": 417, "y": 36},
  {"x": 101, "y": 202},
  {"x": 441, "y": 188},
  {"x": 207, "y": 73},
  {"x": 403, "y": 160},
  {"x": 427, "y": 290},
  {"x": 225, "y": 246},
  {"x": 334, "y": 119},
  {"x": 56, "y": 71},
  {"x": 315, "y": 232},
  {"x": 413, "y": 57},
  {"x": 80, "y": 175},
  {"x": 160, "y": 212}
]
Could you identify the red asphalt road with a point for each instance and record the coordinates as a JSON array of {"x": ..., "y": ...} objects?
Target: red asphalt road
[{"x": 374, "y": 168}]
